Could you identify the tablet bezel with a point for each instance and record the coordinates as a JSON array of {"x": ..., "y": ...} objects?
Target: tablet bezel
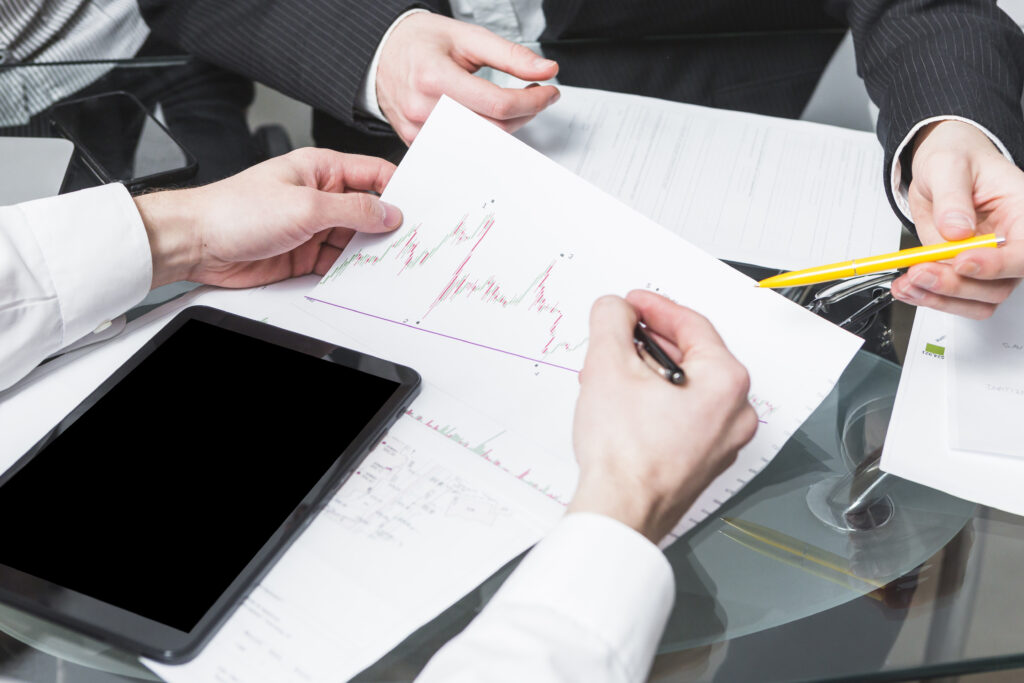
[{"x": 143, "y": 636}]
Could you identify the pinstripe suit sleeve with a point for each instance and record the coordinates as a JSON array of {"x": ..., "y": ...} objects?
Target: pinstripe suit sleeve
[
  {"x": 316, "y": 51},
  {"x": 921, "y": 59}
]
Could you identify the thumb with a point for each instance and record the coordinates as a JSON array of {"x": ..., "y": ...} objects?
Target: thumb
[
  {"x": 611, "y": 333},
  {"x": 355, "y": 210},
  {"x": 492, "y": 50},
  {"x": 952, "y": 192}
]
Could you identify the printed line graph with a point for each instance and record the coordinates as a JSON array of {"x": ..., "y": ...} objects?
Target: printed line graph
[
  {"x": 464, "y": 282},
  {"x": 410, "y": 248},
  {"x": 486, "y": 450},
  {"x": 763, "y": 407}
]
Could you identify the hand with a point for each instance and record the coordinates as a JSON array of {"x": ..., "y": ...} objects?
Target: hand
[
  {"x": 646, "y": 447},
  {"x": 428, "y": 55},
  {"x": 288, "y": 216},
  {"x": 963, "y": 186}
]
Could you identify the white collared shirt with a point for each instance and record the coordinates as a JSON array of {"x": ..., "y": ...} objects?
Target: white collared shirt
[{"x": 68, "y": 264}]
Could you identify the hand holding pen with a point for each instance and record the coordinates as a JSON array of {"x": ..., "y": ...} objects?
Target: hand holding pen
[{"x": 646, "y": 446}]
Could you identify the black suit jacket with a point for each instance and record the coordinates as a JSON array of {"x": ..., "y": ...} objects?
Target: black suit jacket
[
  {"x": 918, "y": 59},
  {"x": 316, "y": 51}
]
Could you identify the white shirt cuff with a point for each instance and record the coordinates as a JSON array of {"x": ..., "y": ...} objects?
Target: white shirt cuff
[
  {"x": 97, "y": 253},
  {"x": 603, "y": 575},
  {"x": 900, "y": 189},
  {"x": 366, "y": 98}
]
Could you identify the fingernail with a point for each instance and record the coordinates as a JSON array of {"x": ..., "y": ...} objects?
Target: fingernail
[
  {"x": 533, "y": 85},
  {"x": 925, "y": 280},
  {"x": 554, "y": 98},
  {"x": 912, "y": 294},
  {"x": 959, "y": 220},
  {"x": 392, "y": 215},
  {"x": 967, "y": 268},
  {"x": 541, "y": 63}
]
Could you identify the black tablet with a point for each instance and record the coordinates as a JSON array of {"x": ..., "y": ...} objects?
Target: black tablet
[{"x": 149, "y": 513}]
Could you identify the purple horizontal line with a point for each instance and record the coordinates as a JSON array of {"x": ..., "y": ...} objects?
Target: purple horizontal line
[{"x": 446, "y": 336}]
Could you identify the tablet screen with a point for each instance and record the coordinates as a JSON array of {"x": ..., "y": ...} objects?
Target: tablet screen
[{"x": 160, "y": 494}]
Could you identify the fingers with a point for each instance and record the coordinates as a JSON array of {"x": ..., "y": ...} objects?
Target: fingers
[
  {"x": 992, "y": 264},
  {"x": 685, "y": 328},
  {"x": 940, "y": 278},
  {"x": 939, "y": 286},
  {"x": 487, "y": 49},
  {"x": 493, "y": 102},
  {"x": 333, "y": 171},
  {"x": 340, "y": 237},
  {"x": 611, "y": 333},
  {"x": 325, "y": 259},
  {"x": 950, "y": 186},
  {"x": 354, "y": 210},
  {"x": 512, "y": 125},
  {"x": 975, "y": 310}
]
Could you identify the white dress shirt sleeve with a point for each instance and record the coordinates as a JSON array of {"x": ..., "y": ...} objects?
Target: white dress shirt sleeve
[
  {"x": 366, "y": 99},
  {"x": 900, "y": 190},
  {"x": 67, "y": 265},
  {"x": 588, "y": 603}
]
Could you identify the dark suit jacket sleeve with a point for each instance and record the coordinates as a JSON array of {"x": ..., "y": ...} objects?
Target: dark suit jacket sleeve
[
  {"x": 316, "y": 51},
  {"x": 943, "y": 57}
]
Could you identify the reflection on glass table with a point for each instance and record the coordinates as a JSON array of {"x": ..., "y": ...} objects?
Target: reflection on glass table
[
  {"x": 151, "y": 122},
  {"x": 766, "y": 590}
]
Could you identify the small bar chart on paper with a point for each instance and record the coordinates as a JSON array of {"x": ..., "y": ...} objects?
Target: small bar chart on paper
[{"x": 471, "y": 277}]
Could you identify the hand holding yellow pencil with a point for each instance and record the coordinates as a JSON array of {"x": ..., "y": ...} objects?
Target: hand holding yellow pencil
[
  {"x": 883, "y": 262},
  {"x": 962, "y": 185}
]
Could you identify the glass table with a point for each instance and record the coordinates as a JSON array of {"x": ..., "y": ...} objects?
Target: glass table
[{"x": 150, "y": 122}]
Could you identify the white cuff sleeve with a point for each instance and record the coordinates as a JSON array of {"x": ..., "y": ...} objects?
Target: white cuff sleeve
[
  {"x": 97, "y": 253},
  {"x": 589, "y": 601},
  {"x": 899, "y": 188},
  {"x": 366, "y": 98}
]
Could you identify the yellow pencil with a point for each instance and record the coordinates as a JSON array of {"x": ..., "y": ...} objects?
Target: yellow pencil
[{"x": 876, "y": 264}]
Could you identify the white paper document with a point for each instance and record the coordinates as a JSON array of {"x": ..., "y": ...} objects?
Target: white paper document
[
  {"x": 499, "y": 260},
  {"x": 986, "y": 381},
  {"x": 917, "y": 444},
  {"x": 744, "y": 187}
]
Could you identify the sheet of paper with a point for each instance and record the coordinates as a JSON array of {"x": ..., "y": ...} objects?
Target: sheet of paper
[
  {"x": 748, "y": 188},
  {"x": 501, "y": 256},
  {"x": 986, "y": 381},
  {"x": 917, "y": 443}
]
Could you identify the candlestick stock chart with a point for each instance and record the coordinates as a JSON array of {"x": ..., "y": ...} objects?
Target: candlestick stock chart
[{"x": 468, "y": 279}]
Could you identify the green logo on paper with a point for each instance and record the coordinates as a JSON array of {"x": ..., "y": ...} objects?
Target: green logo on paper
[{"x": 935, "y": 350}]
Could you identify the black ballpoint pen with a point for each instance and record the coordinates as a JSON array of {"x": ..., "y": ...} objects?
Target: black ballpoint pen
[{"x": 656, "y": 357}]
